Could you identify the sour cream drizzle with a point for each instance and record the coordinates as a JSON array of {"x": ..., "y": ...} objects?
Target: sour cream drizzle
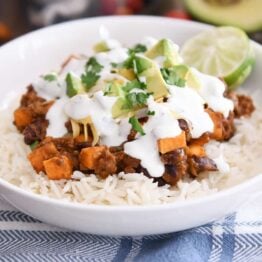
[
  {"x": 187, "y": 104},
  {"x": 163, "y": 124},
  {"x": 99, "y": 109},
  {"x": 212, "y": 91},
  {"x": 57, "y": 118}
]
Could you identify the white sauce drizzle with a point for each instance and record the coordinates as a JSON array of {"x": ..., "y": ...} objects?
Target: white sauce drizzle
[
  {"x": 161, "y": 125},
  {"x": 118, "y": 55},
  {"x": 49, "y": 90},
  {"x": 212, "y": 91},
  {"x": 99, "y": 108},
  {"x": 187, "y": 104},
  {"x": 57, "y": 118}
]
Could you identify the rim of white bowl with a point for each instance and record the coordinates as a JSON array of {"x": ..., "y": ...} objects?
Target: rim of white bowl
[{"x": 127, "y": 208}]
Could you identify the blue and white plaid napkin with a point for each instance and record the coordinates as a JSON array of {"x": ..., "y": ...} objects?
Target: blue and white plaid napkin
[{"x": 235, "y": 238}]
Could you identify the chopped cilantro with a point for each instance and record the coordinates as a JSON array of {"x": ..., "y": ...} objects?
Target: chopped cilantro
[
  {"x": 134, "y": 100},
  {"x": 151, "y": 113},
  {"x": 136, "y": 125},
  {"x": 93, "y": 66},
  {"x": 139, "y": 48},
  {"x": 33, "y": 145},
  {"x": 50, "y": 77},
  {"x": 172, "y": 78},
  {"x": 114, "y": 65},
  {"x": 90, "y": 77},
  {"x": 130, "y": 61},
  {"x": 134, "y": 84}
]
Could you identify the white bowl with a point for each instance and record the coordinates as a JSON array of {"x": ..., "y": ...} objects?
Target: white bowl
[{"x": 27, "y": 57}]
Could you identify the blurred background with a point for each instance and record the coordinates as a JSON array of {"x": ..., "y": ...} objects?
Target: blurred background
[{"x": 20, "y": 16}]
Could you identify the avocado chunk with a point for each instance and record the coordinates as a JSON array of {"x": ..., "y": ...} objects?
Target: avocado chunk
[
  {"x": 114, "y": 88},
  {"x": 243, "y": 14},
  {"x": 150, "y": 82},
  {"x": 132, "y": 97},
  {"x": 101, "y": 47},
  {"x": 181, "y": 75},
  {"x": 168, "y": 50},
  {"x": 118, "y": 109},
  {"x": 147, "y": 70},
  {"x": 127, "y": 73},
  {"x": 73, "y": 85}
]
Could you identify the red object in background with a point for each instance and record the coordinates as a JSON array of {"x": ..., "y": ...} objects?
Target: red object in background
[
  {"x": 177, "y": 14},
  {"x": 123, "y": 10},
  {"x": 124, "y": 7},
  {"x": 135, "y": 5},
  {"x": 108, "y": 7},
  {"x": 5, "y": 33}
]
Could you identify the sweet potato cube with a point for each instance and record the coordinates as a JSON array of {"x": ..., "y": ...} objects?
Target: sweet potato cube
[
  {"x": 201, "y": 140},
  {"x": 40, "y": 154},
  {"x": 88, "y": 156},
  {"x": 171, "y": 143},
  {"x": 195, "y": 150},
  {"x": 58, "y": 167},
  {"x": 23, "y": 116}
]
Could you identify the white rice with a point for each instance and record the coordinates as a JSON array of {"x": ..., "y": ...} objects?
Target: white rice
[{"x": 242, "y": 153}]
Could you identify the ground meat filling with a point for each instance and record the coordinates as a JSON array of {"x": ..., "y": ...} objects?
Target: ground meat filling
[
  {"x": 197, "y": 165},
  {"x": 59, "y": 157},
  {"x": 29, "y": 118},
  {"x": 175, "y": 165},
  {"x": 105, "y": 164},
  {"x": 36, "y": 131}
]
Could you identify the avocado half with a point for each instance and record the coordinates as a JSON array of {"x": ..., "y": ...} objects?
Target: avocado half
[{"x": 245, "y": 14}]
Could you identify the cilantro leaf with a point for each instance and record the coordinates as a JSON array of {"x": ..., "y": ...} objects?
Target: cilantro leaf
[
  {"x": 172, "y": 78},
  {"x": 33, "y": 145},
  {"x": 139, "y": 48},
  {"x": 89, "y": 79},
  {"x": 50, "y": 77},
  {"x": 134, "y": 84},
  {"x": 93, "y": 66},
  {"x": 136, "y": 125},
  {"x": 133, "y": 100},
  {"x": 114, "y": 65},
  {"x": 151, "y": 113},
  {"x": 129, "y": 62}
]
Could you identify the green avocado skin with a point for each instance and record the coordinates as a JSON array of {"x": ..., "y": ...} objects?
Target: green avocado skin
[{"x": 215, "y": 14}]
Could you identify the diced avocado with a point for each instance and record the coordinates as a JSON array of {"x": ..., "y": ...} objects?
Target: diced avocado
[
  {"x": 101, "y": 47},
  {"x": 180, "y": 75},
  {"x": 146, "y": 68},
  {"x": 181, "y": 70},
  {"x": 167, "y": 49},
  {"x": 192, "y": 80},
  {"x": 73, "y": 85},
  {"x": 114, "y": 88},
  {"x": 244, "y": 14},
  {"x": 118, "y": 108},
  {"x": 186, "y": 73},
  {"x": 127, "y": 73}
]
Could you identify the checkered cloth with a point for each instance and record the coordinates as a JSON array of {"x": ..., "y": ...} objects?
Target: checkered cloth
[{"x": 237, "y": 237}]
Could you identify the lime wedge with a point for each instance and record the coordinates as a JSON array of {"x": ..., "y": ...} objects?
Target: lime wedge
[{"x": 224, "y": 52}]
